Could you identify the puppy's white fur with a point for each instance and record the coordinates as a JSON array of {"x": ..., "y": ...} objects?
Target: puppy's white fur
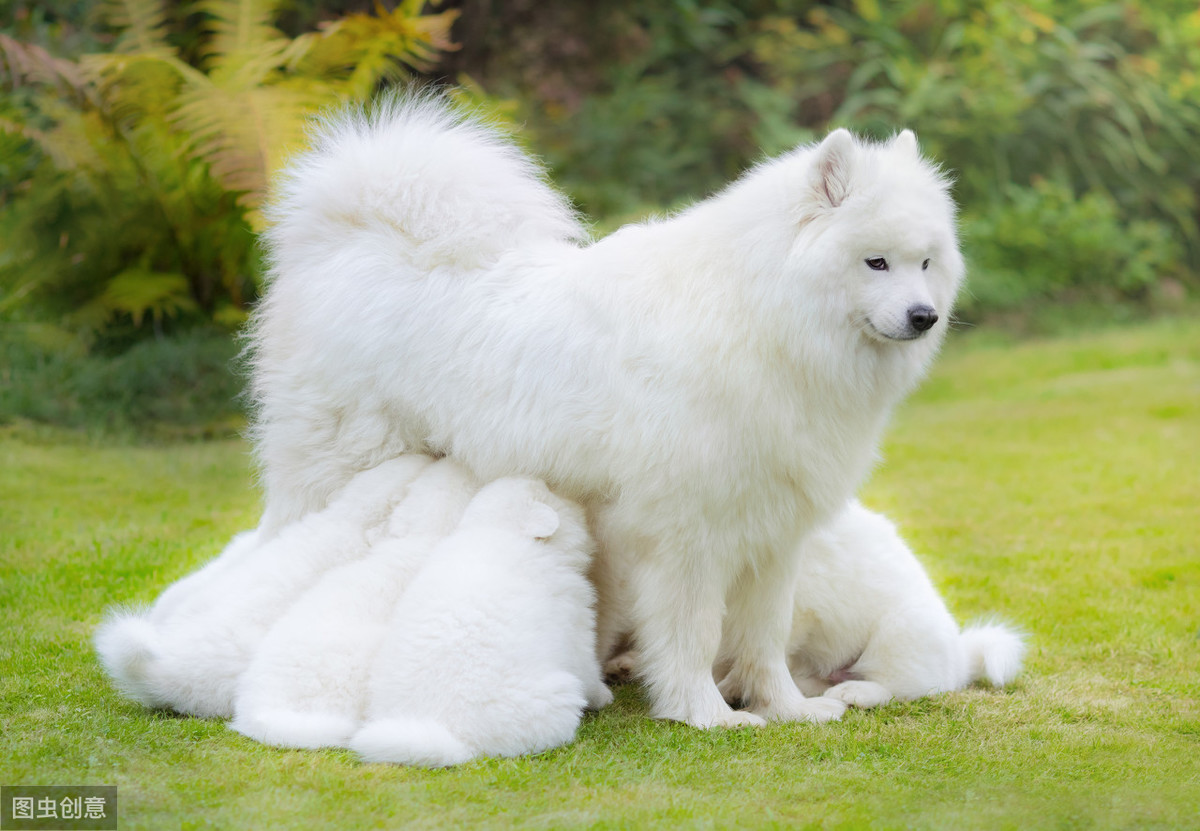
[
  {"x": 491, "y": 649},
  {"x": 306, "y": 685},
  {"x": 711, "y": 386},
  {"x": 870, "y": 627},
  {"x": 188, "y": 650}
]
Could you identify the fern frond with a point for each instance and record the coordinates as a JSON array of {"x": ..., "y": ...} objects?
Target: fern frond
[
  {"x": 244, "y": 135},
  {"x": 243, "y": 45},
  {"x": 367, "y": 48},
  {"x": 26, "y": 64},
  {"x": 71, "y": 143},
  {"x": 131, "y": 86},
  {"x": 142, "y": 24},
  {"x": 138, "y": 292}
]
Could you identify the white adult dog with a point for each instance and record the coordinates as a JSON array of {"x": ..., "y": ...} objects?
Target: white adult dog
[
  {"x": 491, "y": 649},
  {"x": 711, "y": 386}
]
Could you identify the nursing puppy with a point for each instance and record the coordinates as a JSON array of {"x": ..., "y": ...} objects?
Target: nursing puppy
[
  {"x": 307, "y": 683},
  {"x": 711, "y": 386},
  {"x": 491, "y": 651},
  {"x": 870, "y": 627},
  {"x": 187, "y": 651}
]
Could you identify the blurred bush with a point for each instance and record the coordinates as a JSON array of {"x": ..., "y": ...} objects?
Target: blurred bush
[
  {"x": 132, "y": 177},
  {"x": 1042, "y": 244},
  {"x": 180, "y": 387},
  {"x": 137, "y": 136}
]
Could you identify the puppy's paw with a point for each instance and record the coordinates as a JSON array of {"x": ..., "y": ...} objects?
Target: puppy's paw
[
  {"x": 293, "y": 728},
  {"x": 731, "y": 689},
  {"x": 860, "y": 693},
  {"x": 599, "y": 697},
  {"x": 622, "y": 668},
  {"x": 810, "y": 684}
]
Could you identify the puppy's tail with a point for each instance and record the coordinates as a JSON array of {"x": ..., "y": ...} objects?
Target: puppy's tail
[
  {"x": 127, "y": 644},
  {"x": 993, "y": 652},
  {"x": 410, "y": 741},
  {"x": 425, "y": 184}
]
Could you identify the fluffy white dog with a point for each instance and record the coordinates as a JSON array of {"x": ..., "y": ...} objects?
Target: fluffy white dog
[
  {"x": 712, "y": 386},
  {"x": 307, "y": 684},
  {"x": 869, "y": 625},
  {"x": 188, "y": 650},
  {"x": 491, "y": 649}
]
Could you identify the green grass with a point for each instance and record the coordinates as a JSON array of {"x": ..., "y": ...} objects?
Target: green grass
[{"x": 1054, "y": 483}]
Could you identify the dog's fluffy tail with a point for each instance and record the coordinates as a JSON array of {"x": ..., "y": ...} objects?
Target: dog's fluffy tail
[
  {"x": 993, "y": 652},
  {"x": 435, "y": 188},
  {"x": 127, "y": 644},
  {"x": 410, "y": 741}
]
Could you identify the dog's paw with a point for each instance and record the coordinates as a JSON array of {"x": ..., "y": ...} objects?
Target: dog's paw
[
  {"x": 812, "y": 710},
  {"x": 860, "y": 693},
  {"x": 705, "y": 709},
  {"x": 599, "y": 697},
  {"x": 734, "y": 719},
  {"x": 621, "y": 669}
]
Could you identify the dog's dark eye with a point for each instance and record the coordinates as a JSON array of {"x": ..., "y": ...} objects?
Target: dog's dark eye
[
  {"x": 925, "y": 265},
  {"x": 877, "y": 263}
]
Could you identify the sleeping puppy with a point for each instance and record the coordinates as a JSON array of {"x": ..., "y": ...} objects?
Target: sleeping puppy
[
  {"x": 491, "y": 651},
  {"x": 307, "y": 684},
  {"x": 188, "y": 650},
  {"x": 870, "y": 627}
]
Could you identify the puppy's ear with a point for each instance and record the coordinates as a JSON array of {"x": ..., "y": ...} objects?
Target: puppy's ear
[
  {"x": 833, "y": 168},
  {"x": 541, "y": 521},
  {"x": 906, "y": 142}
]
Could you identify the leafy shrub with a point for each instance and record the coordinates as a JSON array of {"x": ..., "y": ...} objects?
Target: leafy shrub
[
  {"x": 642, "y": 104},
  {"x": 1101, "y": 96},
  {"x": 187, "y": 385},
  {"x": 134, "y": 176},
  {"x": 1042, "y": 243}
]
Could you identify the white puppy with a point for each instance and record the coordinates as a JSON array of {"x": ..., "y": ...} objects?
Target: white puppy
[
  {"x": 307, "y": 684},
  {"x": 869, "y": 626},
  {"x": 491, "y": 649},
  {"x": 712, "y": 386},
  {"x": 187, "y": 651}
]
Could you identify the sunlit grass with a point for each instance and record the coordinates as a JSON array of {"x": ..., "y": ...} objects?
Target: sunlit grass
[{"x": 1053, "y": 483}]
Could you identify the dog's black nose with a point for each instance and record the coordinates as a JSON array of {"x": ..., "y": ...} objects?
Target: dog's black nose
[{"x": 922, "y": 318}]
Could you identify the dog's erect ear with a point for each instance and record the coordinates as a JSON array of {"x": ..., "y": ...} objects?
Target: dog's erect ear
[
  {"x": 541, "y": 521},
  {"x": 906, "y": 142},
  {"x": 833, "y": 168}
]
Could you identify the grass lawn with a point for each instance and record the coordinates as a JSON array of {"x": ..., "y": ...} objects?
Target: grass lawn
[{"x": 1056, "y": 483}]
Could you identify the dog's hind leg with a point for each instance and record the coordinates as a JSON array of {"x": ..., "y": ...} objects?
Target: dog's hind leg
[{"x": 756, "y": 635}]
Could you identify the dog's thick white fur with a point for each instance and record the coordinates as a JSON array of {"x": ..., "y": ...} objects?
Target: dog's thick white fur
[
  {"x": 869, "y": 626},
  {"x": 187, "y": 651},
  {"x": 307, "y": 683},
  {"x": 491, "y": 651},
  {"x": 710, "y": 386}
]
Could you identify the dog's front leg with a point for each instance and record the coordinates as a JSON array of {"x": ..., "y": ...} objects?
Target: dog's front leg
[
  {"x": 678, "y": 602},
  {"x": 755, "y": 646}
]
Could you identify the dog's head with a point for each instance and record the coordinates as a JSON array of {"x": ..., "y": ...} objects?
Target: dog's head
[
  {"x": 878, "y": 224},
  {"x": 526, "y": 507}
]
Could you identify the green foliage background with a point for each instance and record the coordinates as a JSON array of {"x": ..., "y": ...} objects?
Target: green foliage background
[{"x": 137, "y": 138}]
